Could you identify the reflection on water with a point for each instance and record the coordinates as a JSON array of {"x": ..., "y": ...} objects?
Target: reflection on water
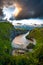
[{"x": 20, "y": 41}]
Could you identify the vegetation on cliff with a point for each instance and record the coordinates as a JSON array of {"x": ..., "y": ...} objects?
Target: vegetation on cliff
[
  {"x": 5, "y": 42},
  {"x": 37, "y": 52},
  {"x": 30, "y": 58}
]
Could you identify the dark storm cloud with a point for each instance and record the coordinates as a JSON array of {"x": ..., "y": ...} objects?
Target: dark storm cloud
[
  {"x": 4, "y": 3},
  {"x": 30, "y": 8},
  {"x": 1, "y": 13},
  {"x": 1, "y": 5}
]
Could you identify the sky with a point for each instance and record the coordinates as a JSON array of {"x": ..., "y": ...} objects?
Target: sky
[
  {"x": 21, "y": 9},
  {"x": 8, "y": 12},
  {"x": 30, "y": 21}
]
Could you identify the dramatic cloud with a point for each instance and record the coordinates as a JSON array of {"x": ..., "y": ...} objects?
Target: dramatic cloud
[
  {"x": 25, "y": 8},
  {"x": 30, "y": 8},
  {"x": 1, "y": 13},
  {"x": 8, "y": 12}
]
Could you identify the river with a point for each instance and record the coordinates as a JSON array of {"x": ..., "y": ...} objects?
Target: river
[{"x": 21, "y": 41}]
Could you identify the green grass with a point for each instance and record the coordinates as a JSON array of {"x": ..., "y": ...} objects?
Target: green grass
[
  {"x": 37, "y": 53},
  {"x": 37, "y": 34},
  {"x": 30, "y": 58},
  {"x": 5, "y": 43}
]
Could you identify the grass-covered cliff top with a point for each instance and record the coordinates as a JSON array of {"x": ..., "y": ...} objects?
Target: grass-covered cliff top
[
  {"x": 5, "y": 28},
  {"x": 37, "y": 52},
  {"x": 33, "y": 58},
  {"x": 5, "y": 43},
  {"x": 37, "y": 34}
]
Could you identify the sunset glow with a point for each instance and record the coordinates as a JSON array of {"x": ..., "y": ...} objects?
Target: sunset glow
[{"x": 17, "y": 10}]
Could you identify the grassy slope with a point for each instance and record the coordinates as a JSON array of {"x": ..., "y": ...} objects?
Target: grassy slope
[
  {"x": 34, "y": 58},
  {"x": 5, "y": 43},
  {"x": 37, "y": 53},
  {"x": 37, "y": 33}
]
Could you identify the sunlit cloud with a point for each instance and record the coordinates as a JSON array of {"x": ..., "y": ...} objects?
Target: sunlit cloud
[
  {"x": 8, "y": 12},
  {"x": 30, "y": 8},
  {"x": 28, "y": 21},
  {"x": 11, "y": 11},
  {"x": 17, "y": 10}
]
